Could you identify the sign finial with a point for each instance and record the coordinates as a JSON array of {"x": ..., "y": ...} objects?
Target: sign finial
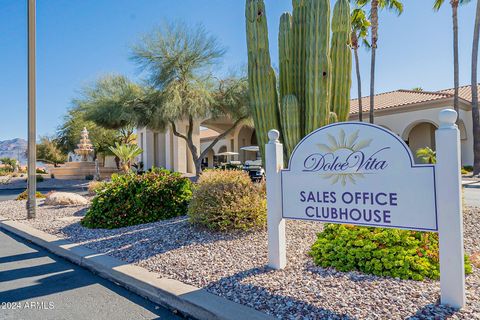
[
  {"x": 447, "y": 118},
  {"x": 273, "y": 136}
]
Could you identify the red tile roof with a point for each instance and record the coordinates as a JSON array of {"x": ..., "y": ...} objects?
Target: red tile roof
[{"x": 402, "y": 97}]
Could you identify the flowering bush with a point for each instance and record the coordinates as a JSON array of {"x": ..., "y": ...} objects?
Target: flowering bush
[
  {"x": 228, "y": 199},
  {"x": 379, "y": 251},
  {"x": 131, "y": 199}
]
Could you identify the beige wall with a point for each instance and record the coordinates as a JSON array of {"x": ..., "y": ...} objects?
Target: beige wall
[
  {"x": 412, "y": 123},
  {"x": 401, "y": 122},
  {"x": 164, "y": 149}
]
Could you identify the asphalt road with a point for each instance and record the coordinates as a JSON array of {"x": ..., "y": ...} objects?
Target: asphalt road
[
  {"x": 11, "y": 194},
  {"x": 35, "y": 284}
]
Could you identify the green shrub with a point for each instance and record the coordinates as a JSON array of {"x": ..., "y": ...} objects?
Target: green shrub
[
  {"x": 24, "y": 195},
  {"x": 383, "y": 252},
  {"x": 95, "y": 186},
  {"x": 131, "y": 199},
  {"x": 468, "y": 168},
  {"x": 40, "y": 178},
  {"x": 228, "y": 199}
]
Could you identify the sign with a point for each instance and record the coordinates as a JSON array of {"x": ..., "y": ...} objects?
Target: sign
[{"x": 362, "y": 174}]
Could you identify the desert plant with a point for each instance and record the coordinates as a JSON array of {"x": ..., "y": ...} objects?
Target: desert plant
[
  {"x": 9, "y": 163},
  {"x": 383, "y": 252},
  {"x": 427, "y": 155},
  {"x": 127, "y": 154},
  {"x": 315, "y": 73},
  {"x": 24, "y": 195},
  {"x": 227, "y": 200},
  {"x": 131, "y": 199}
]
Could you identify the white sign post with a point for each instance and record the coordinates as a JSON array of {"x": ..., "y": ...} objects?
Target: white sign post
[
  {"x": 450, "y": 215},
  {"x": 362, "y": 174}
]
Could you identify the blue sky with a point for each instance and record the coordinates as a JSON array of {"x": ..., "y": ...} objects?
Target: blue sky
[{"x": 80, "y": 40}]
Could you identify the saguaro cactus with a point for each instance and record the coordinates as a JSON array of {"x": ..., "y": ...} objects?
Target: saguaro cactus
[
  {"x": 290, "y": 118},
  {"x": 341, "y": 56},
  {"x": 285, "y": 44},
  {"x": 262, "y": 81},
  {"x": 314, "y": 77},
  {"x": 299, "y": 55},
  {"x": 318, "y": 65}
]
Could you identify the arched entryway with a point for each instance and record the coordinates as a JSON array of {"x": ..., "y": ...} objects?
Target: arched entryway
[
  {"x": 245, "y": 139},
  {"x": 420, "y": 135},
  {"x": 221, "y": 159}
]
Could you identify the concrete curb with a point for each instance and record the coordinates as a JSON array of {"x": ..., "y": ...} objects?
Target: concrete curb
[
  {"x": 474, "y": 185},
  {"x": 173, "y": 294}
]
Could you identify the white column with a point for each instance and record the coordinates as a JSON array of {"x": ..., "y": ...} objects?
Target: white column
[
  {"x": 450, "y": 217},
  {"x": 148, "y": 160},
  {"x": 277, "y": 258}
]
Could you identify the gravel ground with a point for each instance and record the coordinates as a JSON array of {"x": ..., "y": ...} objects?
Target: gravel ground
[{"x": 233, "y": 266}]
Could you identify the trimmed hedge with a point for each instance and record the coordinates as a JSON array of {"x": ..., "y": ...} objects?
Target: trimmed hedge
[
  {"x": 131, "y": 199},
  {"x": 227, "y": 200},
  {"x": 383, "y": 252}
]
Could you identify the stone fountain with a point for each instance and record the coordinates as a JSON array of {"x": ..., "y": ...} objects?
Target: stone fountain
[
  {"x": 81, "y": 164},
  {"x": 85, "y": 147}
]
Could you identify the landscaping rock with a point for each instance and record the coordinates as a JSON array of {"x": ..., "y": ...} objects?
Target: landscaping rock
[
  {"x": 65, "y": 199},
  {"x": 233, "y": 265},
  {"x": 475, "y": 259}
]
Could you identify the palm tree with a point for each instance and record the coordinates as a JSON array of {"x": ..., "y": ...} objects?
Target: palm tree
[
  {"x": 127, "y": 154},
  {"x": 475, "y": 113},
  {"x": 360, "y": 25},
  {"x": 375, "y": 5},
  {"x": 427, "y": 155},
  {"x": 454, "y": 3}
]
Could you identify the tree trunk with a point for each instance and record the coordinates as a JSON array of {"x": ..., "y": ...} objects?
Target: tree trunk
[
  {"x": 455, "y": 54},
  {"x": 374, "y": 17},
  {"x": 359, "y": 85},
  {"x": 475, "y": 112},
  {"x": 197, "y": 159}
]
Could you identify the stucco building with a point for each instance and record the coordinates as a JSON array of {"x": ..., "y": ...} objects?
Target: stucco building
[{"x": 413, "y": 115}]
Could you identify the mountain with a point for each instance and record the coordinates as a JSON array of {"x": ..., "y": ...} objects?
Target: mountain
[{"x": 14, "y": 148}]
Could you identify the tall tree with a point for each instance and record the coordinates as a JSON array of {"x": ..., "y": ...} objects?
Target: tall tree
[
  {"x": 454, "y": 3},
  {"x": 48, "y": 151},
  {"x": 475, "y": 112},
  {"x": 375, "y": 5},
  {"x": 178, "y": 60},
  {"x": 360, "y": 26},
  {"x": 109, "y": 104}
]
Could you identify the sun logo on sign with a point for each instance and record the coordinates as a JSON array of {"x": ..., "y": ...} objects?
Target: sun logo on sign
[{"x": 344, "y": 147}]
